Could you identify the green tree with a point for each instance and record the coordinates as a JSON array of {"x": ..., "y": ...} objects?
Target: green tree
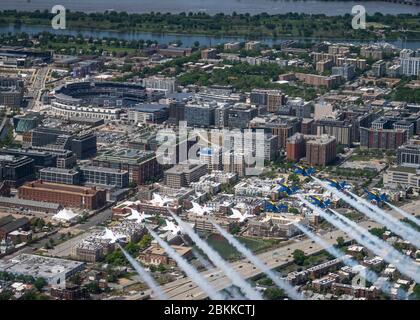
[
  {"x": 93, "y": 287},
  {"x": 340, "y": 242},
  {"x": 299, "y": 257},
  {"x": 274, "y": 293},
  {"x": 40, "y": 283},
  {"x": 145, "y": 241}
]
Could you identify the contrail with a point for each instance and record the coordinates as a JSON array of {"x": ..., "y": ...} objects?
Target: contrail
[
  {"x": 144, "y": 275},
  {"x": 203, "y": 261},
  {"x": 218, "y": 260},
  {"x": 234, "y": 294},
  {"x": 375, "y": 213},
  {"x": 406, "y": 215},
  {"x": 398, "y": 227},
  {"x": 370, "y": 275},
  {"x": 382, "y": 245},
  {"x": 189, "y": 270},
  {"x": 291, "y": 292},
  {"x": 402, "y": 263}
]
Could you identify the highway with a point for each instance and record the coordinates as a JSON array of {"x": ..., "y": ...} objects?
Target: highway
[{"x": 185, "y": 289}]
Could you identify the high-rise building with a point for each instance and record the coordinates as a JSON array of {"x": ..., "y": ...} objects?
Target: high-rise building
[
  {"x": 181, "y": 175},
  {"x": 168, "y": 85},
  {"x": 389, "y": 139},
  {"x": 295, "y": 147},
  {"x": 141, "y": 165},
  {"x": 410, "y": 63},
  {"x": 15, "y": 170},
  {"x": 11, "y": 92},
  {"x": 200, "y": 115},
  {"x": 240, "y": 115},
  {"x": 342, "y": 130},
  {"x": 379, "y": 68},
  {"x": 321, "y": 150},
  {"x": 346, "y": 71}
]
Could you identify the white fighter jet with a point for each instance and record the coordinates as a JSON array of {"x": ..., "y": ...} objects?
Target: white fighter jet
[
  {"x": 172, "y": 227},
  {"x": 137, "y": 216},
  {"x": 200, "y": 210},
  {"x": 161, "y": 201},
  {"x": 236, "y": 214},
  {"x": 109, "y": 235}
]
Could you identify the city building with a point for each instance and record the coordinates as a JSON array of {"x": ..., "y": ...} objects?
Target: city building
[
  {"x": 240, "y": 115},
  {"x": 408, "y": 155},
  {"x": 252, "y": 45},
  {"x": 232, "y": 46},
  {"x": 9, "y": 224},
  {"x": 410, "y": 66},
  {"x": 321, "y": 150},
  {"x": 141, "y": 165},
  {"x": 55, "y": 271},
  {"x": 295, "y": 147},
  {"x": 11, "y": 92},
  {"x": 319, "y": 81},
  {"x": 105, "y": 176},
  {"x": 155, "y": 255},
  {"x": 148, "y": 113},
  {"x": 181, "y": 175},
  {"x": 343, "y": 130},
  {"x": 66, "y": 195},
  {"x": 209, "y": 53},
  {"x": 165, "y": 84},
  {"x": 391, "y": 139},
  {"x": 83, "y": 145},
  {"x": 58, "y": 175},
  {"x": 402, "y": 177},
  {"x": 15, "y": 170},
  {"x": 379, "y": 69},
  {"x": 200, "y": 115},
  {"x": 346, "y": 71}
]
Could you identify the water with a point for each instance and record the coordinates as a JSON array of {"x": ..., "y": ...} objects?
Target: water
[
  {"x": 212, "y": 6},
  {"x": 187, "y": 40}
]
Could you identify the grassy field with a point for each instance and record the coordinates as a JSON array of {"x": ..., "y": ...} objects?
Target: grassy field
[{"x": 228, "y": 252}]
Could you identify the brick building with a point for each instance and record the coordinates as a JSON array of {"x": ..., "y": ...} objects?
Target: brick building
[
  {"x": 66, "y": 195},
  {"x": 321, "y": 150}
]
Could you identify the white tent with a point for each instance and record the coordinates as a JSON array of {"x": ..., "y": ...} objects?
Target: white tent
[{"x": 65, "y": 215}]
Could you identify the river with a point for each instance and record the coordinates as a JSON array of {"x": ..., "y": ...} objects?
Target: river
[
  {"x": 187, "y": 40},
  {"x": 213, "y": 6}
]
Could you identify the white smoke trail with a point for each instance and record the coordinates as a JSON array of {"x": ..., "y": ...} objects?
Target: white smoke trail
[
  {"x": 290, "y": 291},
  {"x": 144, "y": 275},
  {"x": 406, "y": 215},
  {"x": 370, "y": 275},
  {"x": 193, "y": 274},
  {"x": 203, "y": 261},
  {"x": 234, "y": 294},
  {"x": 391, "y": 223},
  {"x": 402, "y": 263},
  {"x": 218, "y": 260},
  {"x": 398, "y": 227}
]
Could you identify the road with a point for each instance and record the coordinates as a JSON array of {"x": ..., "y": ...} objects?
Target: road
[
  {"x": 36, "y": 88},
  {"x": 185, "y": 289},
  {"x": 65, "y": 247}
]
